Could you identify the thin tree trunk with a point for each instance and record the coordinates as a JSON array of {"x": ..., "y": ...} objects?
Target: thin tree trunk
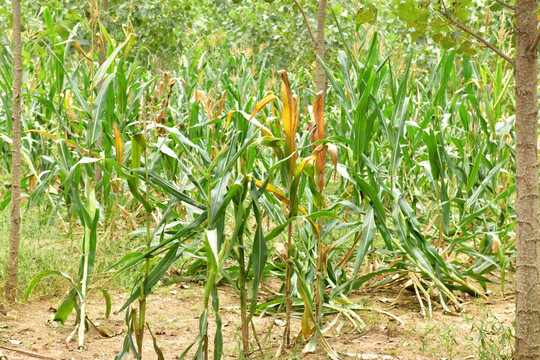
[
  {"x": 321, "y": 84},
  {"x": 102, "y": 58},
  {"x": 14, "y": 233},
  {"x": 527, "y": 208},
  {"x": 321, "y": 81}
]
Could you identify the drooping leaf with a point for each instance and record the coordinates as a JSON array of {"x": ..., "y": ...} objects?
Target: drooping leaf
[{"x": 289, "y": 120}]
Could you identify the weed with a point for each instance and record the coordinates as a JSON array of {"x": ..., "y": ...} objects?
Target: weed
[{"x": 495, "y": 338}]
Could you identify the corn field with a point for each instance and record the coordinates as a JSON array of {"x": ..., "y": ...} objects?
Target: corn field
[{"x": 234, "y": 174}]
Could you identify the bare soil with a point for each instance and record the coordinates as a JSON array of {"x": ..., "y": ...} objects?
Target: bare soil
[{"x": 173, "y": 315}]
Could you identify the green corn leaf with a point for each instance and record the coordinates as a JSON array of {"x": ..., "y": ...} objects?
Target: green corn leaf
[
  {"x": 212, "y": 256},
  {"x": 368, "y": 233},
  {"x": 218, "y": 337},
  {"x": 493, "y": 172},
  {"x": 39, "y": 276},
  {"x": 278, "y": 230},
  {"x": 445, "y": 206},
  {"x": 340, "y": 91},
  {"x": 73, "y": 86},
  {"x": 371, "y": 194},
  {"x": 125, "y": 258},
  {"x": 259, "y": 254},
  {"x": 135, "y": 100},
  {"x": 108, "y": 302},
  {"x": 132, "y": 183},
  {"x": 96, "y": 124},
  {"x": 102, "y": 71},
  {"x": 322, "y": 214},
  {"x": 184, "y": 231},
  {"x": 169, "y": 188},
  {"x": 93, "y": 242},
  {"x": 219, "y": 198},
  {"x": 203, "y": 326},
  {"x": 155, "y": 275},
  {"x": 359, "y": 281},
  {"x": 105, "y": 33},
  {"x": 158, "y": 351},
  {"x": 66, "y": 307},
  {"x": 48, "y": 18}
]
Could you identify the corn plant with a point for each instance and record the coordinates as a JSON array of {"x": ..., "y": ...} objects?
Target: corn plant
[
  {"x": 383, "y": 122},
  {"x": 78, "y": 176},
  {"x": 292, "y": 169},
  {"x": 196, "y": 165}
]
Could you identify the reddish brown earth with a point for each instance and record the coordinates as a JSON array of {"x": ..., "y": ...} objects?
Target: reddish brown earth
[{"x": 173, "y": 313}]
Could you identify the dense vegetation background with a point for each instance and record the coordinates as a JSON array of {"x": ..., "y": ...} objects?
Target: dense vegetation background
[{"x": 170, "y": 122}]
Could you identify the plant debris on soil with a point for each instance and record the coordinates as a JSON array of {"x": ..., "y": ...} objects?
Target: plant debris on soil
[{"x": 28, "y": 332}]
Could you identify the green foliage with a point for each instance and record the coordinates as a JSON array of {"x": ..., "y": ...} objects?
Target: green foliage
[
  {"x": 436, "y": 20},
  {"x": 495, "y": 338},
  {"x": 420, "y": 192},
  {"x": 366, "y": 15}
]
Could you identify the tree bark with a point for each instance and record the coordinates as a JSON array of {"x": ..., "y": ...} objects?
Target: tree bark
[
  {"x": 321, "y": 81},
  {"x": 527, "y": 208},
  {"x": 14, "y": 231}
]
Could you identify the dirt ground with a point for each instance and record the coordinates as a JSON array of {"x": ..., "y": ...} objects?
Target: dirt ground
[{"x": 26, "y": 332}]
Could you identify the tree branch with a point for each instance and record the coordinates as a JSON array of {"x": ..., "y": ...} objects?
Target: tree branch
[
  {"x": 511, "y": 7},
  {"x": 478, "y": 37},
  {"x": 536, "y": 41},
  {"x": 307, "y": 23}
]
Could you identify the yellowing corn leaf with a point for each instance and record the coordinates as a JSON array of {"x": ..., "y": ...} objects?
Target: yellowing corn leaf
[
  {"x": 130, "y": 40},
  {"x": 264, "y": 129},
  {"x": 229, "y": 117},
  {"x": 119, "y": 143},
  {"x": 69, "y": 107},
  {"x": 351, "y": 251},
  {"x": 496, "y": 244},
  {"x": 77, "y": 46},
  {"x": 201, "y": 96},
  {"x": 127, "y": 217},
  {"x": 307, "y": 330},
  {"x": 318, "y": 134},
  {"x": 166, "y": 84},
  {"x": 221, "y": 103},
  {"x": 68, "y": 143},
  {"x": 261, "y": 104},
  {"x": 280, "y": 195},
  {"x": 79, "y": 49},
  {"x": 274, "y": 190},
  {"x": 209, "y": 104},
  {"x": 289, "y": 120}
]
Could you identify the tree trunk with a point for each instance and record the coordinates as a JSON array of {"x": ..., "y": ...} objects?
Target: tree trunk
[
  {"x": 527, "y": 222},
  {"x": 14, "y": 233},
  {"x": 102, "y": 57},
  {"x": 321, "y": 81}
]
